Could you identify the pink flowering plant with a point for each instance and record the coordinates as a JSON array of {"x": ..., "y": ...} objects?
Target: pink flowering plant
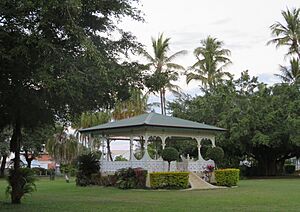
[{"x": 208, "y": 170}]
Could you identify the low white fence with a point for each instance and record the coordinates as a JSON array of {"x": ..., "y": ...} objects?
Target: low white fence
[{"x": 155, "y": 165}]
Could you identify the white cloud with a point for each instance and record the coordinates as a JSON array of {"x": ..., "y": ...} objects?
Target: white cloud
[{"x": 242, "y": 25}]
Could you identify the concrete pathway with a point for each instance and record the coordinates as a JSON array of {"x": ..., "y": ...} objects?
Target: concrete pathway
[{"x": 198, "y": 183}]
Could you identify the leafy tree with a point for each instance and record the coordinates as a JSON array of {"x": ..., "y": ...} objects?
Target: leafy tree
[
  {"x": 170, "y": 154},
  {"x": 290, "y": 74},
  {"x": 164, "y": 69},
  {"x": 57, "y": 60},
  {"x": 212, "y": 58},
  {"x": 183, "y": 146},
  {"x": 33, "y": 141},
  {"x": 216, "y": 154},
  {"x": 261, "y": 121},
  {"x": 288, "y": 33}
]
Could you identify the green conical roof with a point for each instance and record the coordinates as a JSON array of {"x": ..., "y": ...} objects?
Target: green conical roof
[{"x": 152, "y": 120}]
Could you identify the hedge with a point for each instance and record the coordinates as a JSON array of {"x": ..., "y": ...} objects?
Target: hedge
[
  {"x": 227, "y": 177},
  {"x": 169, "y": 180}
]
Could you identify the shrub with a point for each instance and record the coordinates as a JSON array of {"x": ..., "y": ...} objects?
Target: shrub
[
  {"x": 227, "y": 177},
  {"x": 169, "y": 180},
  {"x": 99, "y": 180},
  {"x": 87, "y": 165},
  {"x": 289, "y": 168},
  {"x": 109, "y": 180},
  {"x": 28, "y": 181},
  {"x": 131, "y": 178},
  {"x": 120, "y": 158},
  {"x": 68, "y": 169},
  {"x": 141, "y": 177},
  {"x": 39, "y": 171},
  {"x": 96, "y": 179},
  {"x": 216, "y": 154},
  {"x": 170, "y": 154}
]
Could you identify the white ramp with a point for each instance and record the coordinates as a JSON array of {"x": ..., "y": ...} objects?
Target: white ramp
[{"x": 198, "y": 183}]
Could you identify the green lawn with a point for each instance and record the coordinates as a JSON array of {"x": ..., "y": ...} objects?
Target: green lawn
[{"x": 251, "y": 195}]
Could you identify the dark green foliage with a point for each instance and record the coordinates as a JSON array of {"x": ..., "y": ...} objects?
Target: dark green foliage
[
  {"x": 262, "y": 121},
  {"x": 27, "y": 181},
  {"x": 131, "y": 178},
  {"x": 57, "y": 60},
  {"x": 184, "y": 146},
  {"x": 87, "y": 165},
  {"x": 96, "y": 179},
  {"x": 216, "y": 154},
  {"x": 227, "y": 177},
  {"x": 120, "y": 158},
  {"x": 169, "y": 180},
  {"x": 170, "y": 154},
  {"x": 103, "y": 180},
  {"x": 289, "y": 168}
]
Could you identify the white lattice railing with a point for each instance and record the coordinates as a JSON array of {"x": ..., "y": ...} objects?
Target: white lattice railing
[{"x": 155, "y": 165}]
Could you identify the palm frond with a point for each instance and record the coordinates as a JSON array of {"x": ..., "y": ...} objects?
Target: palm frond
[{"x": 176, "y": 55}]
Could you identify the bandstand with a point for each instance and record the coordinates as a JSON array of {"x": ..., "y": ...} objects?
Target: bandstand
[{"x": 153, "y": 125}]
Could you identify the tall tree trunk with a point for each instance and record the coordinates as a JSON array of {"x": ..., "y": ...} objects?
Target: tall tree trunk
[
  {"x": 3, "y": 163},
  {"x": 164, "y": 101},
  {"x": 267, "y": 167},
  {"x": 280, "y": 167},
  {"x": 28, "y": 159},
  {"x": 161, "y": 102},
  {"x": 16, "y": 178},
  {"x": 142, "y": 142},
  {"x": 108, "y": 150}
]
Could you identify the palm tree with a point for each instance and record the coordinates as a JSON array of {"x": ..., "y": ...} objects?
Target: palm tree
[
  {"x": 211, "y": 60},
  {"x": 63, "y": 147},
  {"x": 288, "y": 33},
  {"x": 90, "y": 119},
  {"x": 290, "y": 74},
  {"x": 164, "y": 67},
  {"x": 137, "y": 104}
]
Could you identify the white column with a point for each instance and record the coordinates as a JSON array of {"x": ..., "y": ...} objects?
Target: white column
[
  {"x": 163, "y": 141},
  {"x": 146, "y": 142},
  {"x": 102, "y": 146},
  {"x": 146, "y": 154},
  {"x": 107, "y": 152},
  {"x": 213, "y": 142},
  {"x": 199, "y": 147},
  {"x": 131, "y": 150}
]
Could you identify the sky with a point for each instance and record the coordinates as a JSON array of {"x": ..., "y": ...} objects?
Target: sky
[{"x": 244, "y": 27}]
